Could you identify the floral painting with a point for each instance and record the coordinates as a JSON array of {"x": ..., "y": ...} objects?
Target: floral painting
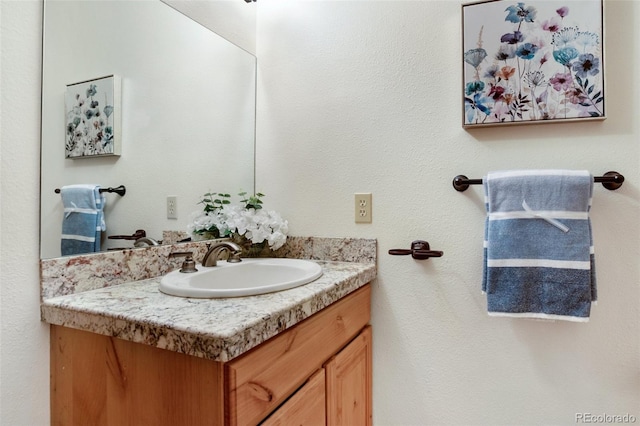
[
  {"x": 92, "y": 111},
  {"x": 532, "y": 61}
]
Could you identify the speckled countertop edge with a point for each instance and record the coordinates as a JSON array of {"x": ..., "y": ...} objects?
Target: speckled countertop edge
[{"x": 215, "y": 329}]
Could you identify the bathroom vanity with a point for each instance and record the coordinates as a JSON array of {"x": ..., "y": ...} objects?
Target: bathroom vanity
[
  {"x": 129, "y": 354},
  {"x": 319, "y": 369}
]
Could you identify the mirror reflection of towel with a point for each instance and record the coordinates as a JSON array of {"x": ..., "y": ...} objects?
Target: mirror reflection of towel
[
  {"x": 83, "y": 219},
  {"x": 538, "y": 245}
]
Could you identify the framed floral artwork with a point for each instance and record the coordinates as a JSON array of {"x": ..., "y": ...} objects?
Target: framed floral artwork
[
  {"x": 92, "y": 118},
  {"x": 533, "y": 61}
]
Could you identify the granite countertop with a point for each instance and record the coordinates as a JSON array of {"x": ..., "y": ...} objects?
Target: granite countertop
[{"x": 215, "y": 329}]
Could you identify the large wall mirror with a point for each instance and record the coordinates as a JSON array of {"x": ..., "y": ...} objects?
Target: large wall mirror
[{"x": 187, "y": 114}]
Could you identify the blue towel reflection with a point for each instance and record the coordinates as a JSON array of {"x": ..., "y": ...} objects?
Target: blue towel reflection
[{"x": 83, "y": 220}]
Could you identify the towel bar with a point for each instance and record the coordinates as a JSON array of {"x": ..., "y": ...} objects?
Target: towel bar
[
  {"x": 120, "y": 190},
  {"x": 610, "y": 180}
]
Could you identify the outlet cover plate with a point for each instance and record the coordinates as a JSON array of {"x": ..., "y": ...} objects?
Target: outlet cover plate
[
  {"x": 172, "y": 207},
  {"x": 363, "y": 208}
]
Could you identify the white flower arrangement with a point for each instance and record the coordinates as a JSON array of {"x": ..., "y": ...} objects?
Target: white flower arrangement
[{"x": 220, "y": 218}]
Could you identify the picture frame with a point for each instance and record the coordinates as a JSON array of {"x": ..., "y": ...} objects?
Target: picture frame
[
  {"x": 93, "y": 118},
  {"x": 532, "y": 61}
]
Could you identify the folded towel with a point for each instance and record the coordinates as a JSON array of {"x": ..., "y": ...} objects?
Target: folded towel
[
  {"x": 538, "y": 249},
  {"x": 83, "y": 219}
]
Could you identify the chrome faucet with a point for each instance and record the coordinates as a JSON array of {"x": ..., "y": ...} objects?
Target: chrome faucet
[
  {"x": 213, "y": 253},
  {"x": 145, "y": 241}
]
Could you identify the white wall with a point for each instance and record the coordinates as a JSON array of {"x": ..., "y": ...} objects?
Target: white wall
[
  {"x": 364, "y": 96},
  {"x": 24, "y": 340}
]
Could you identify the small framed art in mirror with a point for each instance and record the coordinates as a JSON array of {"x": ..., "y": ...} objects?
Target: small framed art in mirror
[
  {"x": 533, "y": 61},
  {"x": 92, "y": 114}
]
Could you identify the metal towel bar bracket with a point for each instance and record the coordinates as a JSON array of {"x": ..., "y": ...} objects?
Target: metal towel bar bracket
[{"x": 610, "y": 180}]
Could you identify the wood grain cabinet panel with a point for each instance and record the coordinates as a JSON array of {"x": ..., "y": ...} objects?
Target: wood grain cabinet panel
[
  {"x": 263, "y": 378},
  {"x": 349, "y": 376},
  {"x": 306, "y": 407},
  {"x": 99, "y": 380},
  {"x": 104, "y": 381}
]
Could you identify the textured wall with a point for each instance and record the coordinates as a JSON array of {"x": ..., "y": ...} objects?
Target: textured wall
[
  {"x": 364, "y": 96},
  {"x": 24, "y": 340}
]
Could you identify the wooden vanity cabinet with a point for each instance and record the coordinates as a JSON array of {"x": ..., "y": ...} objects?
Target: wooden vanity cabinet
[{"x": 315, "y": 373}]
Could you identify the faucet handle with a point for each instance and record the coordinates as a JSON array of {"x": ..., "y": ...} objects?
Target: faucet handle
[
  {"x": 234, "y": 257},
  {"x": 189, "y": 265}
]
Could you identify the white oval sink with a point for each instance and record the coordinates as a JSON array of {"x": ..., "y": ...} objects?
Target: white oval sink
[{"x": 247, "y": 278}]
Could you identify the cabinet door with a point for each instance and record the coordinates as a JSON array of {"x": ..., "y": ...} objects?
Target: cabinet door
[
  {"x": 349, "y": 383},
  {"x": 306, "y": 407},
  {"x": 263, "y": 378}
]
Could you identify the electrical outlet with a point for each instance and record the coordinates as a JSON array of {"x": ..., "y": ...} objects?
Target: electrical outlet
[
  {"x": 363, "y": 208},
  {"x": 172, "y": 207}
]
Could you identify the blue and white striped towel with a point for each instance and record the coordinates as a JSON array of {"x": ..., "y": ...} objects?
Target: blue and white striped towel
[
  {"x": 83, "y": 219},
  {"x": 538, "y": 249}
]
